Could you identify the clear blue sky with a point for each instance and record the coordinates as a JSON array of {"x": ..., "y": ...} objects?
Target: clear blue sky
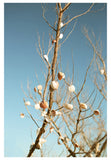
[{"x": 21, "y": 61}]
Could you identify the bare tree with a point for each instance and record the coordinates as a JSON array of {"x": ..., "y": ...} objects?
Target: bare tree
[{"x": 75, "y": 117}]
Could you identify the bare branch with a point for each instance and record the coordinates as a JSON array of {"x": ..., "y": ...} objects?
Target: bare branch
[
  {"x": 46, "y": 20},
  {"x": 80, "y": 14},
  {"x": 66, "y": 6}
]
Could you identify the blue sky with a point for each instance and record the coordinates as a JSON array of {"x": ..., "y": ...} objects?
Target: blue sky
[{"x": 21, "y": 61}]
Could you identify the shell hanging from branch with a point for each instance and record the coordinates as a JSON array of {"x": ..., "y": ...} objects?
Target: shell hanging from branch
[
  {"x": 44, "y": 104},
  {"x": 61, "y": 75},
  {"x": 83, "y": 106},
  {"x": 61, "y": 36},
  {"x": 76, "y": 145},
  {"x": 42, "y": 141},
  {"x": 102, "y": 71},
  {"x": 68, "y": 106},
  {"x": 61, "y": 24},
  {"x": 97, "y": 112},
  {"x": 71, "y": 88},
  {"x": 53, "y": 113},
  {"x": 39, "y": 87},
  {"x": 43, "y": 113},
  {"x": 27, "y": 103},
  {"x": 54, "y": 85},
  {"x": 37, "y": 106},
  {"x": 22, "y": 115},
  {"x": 40, "y": 92},
  {"x": 51, "y": 129},
  {"x": 46, "y": 58},
  {"x": 53, "y": 41}
]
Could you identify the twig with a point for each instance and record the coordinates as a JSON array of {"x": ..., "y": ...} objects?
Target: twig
[{"x": 80, "y": 14}]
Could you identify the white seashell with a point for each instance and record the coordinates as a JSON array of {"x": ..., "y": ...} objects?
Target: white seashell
[
  {"x": 58, "y": 113},
  {"x": 22, "y": 115},
  {"x": 102, "y": 71},
  {"x": 42, "y": 140},
  {"x": 39, "y": 92},
  {"x": 83, "y": 106},
  {"x": 61, "y": 24},
  {"x": 39, "y": 87},
  {"x": 90, "y": 155},
  {"x": 46, "y": 57},
  {"x": 43, "y": 113},
  {"x": 63, "y": 76},
  {"x": 71, "y": 88},
  {"x": 27, "y": 103},
  {"x": 61, "y": 36},
  {"x": 54, "y": 85},
  {"x": 37, "y": 106},
  {"x": 68, "y": 106}
]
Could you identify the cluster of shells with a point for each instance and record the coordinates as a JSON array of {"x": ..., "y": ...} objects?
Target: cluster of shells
[{"x": 54, "y": 86}]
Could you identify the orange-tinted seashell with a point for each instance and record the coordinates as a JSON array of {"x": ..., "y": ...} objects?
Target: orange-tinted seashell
[{"x": 44, "y": 104}]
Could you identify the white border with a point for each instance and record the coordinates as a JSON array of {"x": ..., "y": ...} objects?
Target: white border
[
  {"x": 2, "y": 71},
  {"x": 1, "y": 80}
]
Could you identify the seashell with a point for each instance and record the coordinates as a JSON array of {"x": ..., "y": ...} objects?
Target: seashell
[
  {"x": 43, "y": 113},
  {"x": 58, "y": 113},
  {"x": 90, "y": 155},
  {"x": 39, "y": 92},
  {"x": 61, "y": 24},
  {"x": 35, "y": 89},
  {"x": 54, "y": 85},
  {"x": 83, "y": 106},
  {"x": 46, "y": 57},
  {"x": 53, "y": 41},
  {"x": 68, "y": 106},
  {"x": 51, "y": 129},
  {"x": 61, "y": 75},
  {"x": 27, "y": 103},
  {"x": 44, "y": 104},
  {"x": 37, "y": 106},
  {"x": 53, "y": 113},
  {"x": 76, "y": 145},
  {"x": 39, "y": 87},
  {"x": 61, "y": 36},
  {"x": 22, "y": 115},
  {"x": 102, "y": 71},
  {"x": 71, "y": 88},
  {"x": 42, "y": 140},
  {"x": 96, "y": 112}
]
